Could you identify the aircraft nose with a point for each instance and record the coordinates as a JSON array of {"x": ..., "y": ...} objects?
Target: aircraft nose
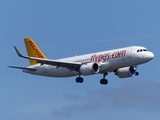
[{"x": 150, "y": 56}]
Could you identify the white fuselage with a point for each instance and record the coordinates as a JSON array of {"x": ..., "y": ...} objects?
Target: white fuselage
[{"x": 107, "y": 60}]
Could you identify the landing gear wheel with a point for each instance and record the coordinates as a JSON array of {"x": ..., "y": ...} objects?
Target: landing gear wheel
[
  {"x": 137, "y": 73},
  {"x": 79, "y": 79},
  {"x": 104, "y": 81}
]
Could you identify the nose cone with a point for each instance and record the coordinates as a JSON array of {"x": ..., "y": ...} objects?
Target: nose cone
[{"x": 149, "y": 56}]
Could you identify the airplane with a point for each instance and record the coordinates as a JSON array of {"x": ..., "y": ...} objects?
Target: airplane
[{"x": 123, "y": 62}]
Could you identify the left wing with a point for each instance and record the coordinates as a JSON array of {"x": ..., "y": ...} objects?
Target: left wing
[
  {"x": 24, "y": 68},
  {"x": 70, "y": 65}
]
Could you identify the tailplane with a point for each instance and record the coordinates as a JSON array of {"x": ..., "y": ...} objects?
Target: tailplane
[{"x": 33, "y": 50}]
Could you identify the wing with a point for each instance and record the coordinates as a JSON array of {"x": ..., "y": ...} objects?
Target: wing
[
  {"x": 69, "y": 65},
  {"x": 24, "y": 68}
]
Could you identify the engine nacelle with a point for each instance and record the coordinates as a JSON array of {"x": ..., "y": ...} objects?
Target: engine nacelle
[
  {"x": 126, "y": 72},
  {"x": 89, "y": 68}
]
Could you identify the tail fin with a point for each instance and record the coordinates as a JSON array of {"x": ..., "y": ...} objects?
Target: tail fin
[{"x": 33, "y": 50}]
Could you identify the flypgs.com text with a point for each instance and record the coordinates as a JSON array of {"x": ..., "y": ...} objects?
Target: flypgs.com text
[{"x": 104, "y": 57}]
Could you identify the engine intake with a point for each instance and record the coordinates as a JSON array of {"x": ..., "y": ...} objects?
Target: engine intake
[{"x": 89, "y": 68}]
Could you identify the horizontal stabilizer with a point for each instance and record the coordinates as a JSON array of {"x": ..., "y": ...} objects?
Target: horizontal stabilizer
[{"x": 24, "y": 68}]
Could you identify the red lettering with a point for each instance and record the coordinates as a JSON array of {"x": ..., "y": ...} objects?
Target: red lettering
[
  {"x": 123, "y": 53},
  {"x": 100, "y": 57},
  {"x": 35, "y": 49},
  {"x": 108, "y": 56},
  {"x": 31, "y": 43},
  {"x": 104, "y": 57},
  {"x": 38, "y": 53},
  {"x": 117, "y": 55},
  {"x": 113, "y": 55},
  {"x": 93, "y": 58}
]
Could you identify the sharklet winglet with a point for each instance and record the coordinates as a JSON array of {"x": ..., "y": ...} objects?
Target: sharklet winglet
[{"x": 18, "y": 53}]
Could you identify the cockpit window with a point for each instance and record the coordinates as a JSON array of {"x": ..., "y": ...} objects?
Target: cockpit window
[{"x": 141, "y": 50}]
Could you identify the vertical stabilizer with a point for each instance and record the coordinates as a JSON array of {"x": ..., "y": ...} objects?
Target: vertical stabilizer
[{"x": 33, "y": 50}]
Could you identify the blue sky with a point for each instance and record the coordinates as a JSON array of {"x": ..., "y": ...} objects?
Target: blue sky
[{"x": 64, "y": 28}]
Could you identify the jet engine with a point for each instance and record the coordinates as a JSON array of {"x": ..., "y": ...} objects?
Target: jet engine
[
  {"x": 89, "y": 68},
  {"x": 126, "y": 72}
]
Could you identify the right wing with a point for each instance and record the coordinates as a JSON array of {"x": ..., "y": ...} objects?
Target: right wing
[{"x": 70, "y": 65}]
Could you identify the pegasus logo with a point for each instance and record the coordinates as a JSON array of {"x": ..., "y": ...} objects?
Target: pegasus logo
[{"x": 35, "y": 49}]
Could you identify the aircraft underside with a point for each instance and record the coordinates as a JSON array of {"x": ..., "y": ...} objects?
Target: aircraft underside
[{"x": 52, "y": 71}]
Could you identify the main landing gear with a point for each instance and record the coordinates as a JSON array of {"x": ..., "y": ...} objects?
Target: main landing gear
[
  {"x": 79, "y": 79},
  {"x": 102, "y": 81}
]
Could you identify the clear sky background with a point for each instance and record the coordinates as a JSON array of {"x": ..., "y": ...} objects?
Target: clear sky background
[{"x": 64, "y": 28}]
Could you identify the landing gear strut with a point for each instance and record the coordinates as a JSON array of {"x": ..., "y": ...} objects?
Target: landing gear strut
[{"x": 104, "y": 81}]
